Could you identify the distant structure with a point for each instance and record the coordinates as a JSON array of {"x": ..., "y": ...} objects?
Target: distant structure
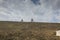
[
  {"x": 32, "y": 20},
  {"x": 21, "y": 20}
]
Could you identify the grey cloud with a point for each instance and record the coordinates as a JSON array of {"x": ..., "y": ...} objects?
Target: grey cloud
[
  {"x": 36, "y": 2},
  {"x": 55, "y": 4}
]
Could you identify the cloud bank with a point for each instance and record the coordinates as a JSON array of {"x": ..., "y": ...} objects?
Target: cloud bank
[{"x": 39, "y": 10}]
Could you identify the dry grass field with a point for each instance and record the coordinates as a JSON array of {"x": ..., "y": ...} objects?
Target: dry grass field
[{"x": 28, "y": 31}]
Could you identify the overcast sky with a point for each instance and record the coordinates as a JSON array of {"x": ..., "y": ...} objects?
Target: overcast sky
[{"x": 39, "y": 10}]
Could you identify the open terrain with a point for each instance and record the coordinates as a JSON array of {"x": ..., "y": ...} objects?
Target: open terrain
[{"x": 28, "y": 31}]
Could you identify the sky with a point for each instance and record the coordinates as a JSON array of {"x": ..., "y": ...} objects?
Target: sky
[{"x": 39, "y": 10}]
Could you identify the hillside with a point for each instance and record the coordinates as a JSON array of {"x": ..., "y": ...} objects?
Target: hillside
[
  {"x": 28, "y": 31},
  {"x": 28, "y": 25}
]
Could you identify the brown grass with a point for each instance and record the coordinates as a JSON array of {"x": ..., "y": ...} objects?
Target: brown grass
[{"x": 28, "y": 31}]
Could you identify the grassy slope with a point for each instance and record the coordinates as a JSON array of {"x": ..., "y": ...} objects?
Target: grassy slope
[
  {"x": 30, "y": 30},
  {"x": 20, "y": 25}
]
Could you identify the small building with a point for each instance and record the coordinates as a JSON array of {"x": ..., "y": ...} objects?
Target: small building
[
  {"x": 58, "y": 33},
  {"x": 21, "y": 20},
  {"x": 32, "y": 20}
]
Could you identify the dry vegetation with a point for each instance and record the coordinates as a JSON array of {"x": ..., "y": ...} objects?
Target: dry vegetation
[{"x": 28, "y": 31}]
